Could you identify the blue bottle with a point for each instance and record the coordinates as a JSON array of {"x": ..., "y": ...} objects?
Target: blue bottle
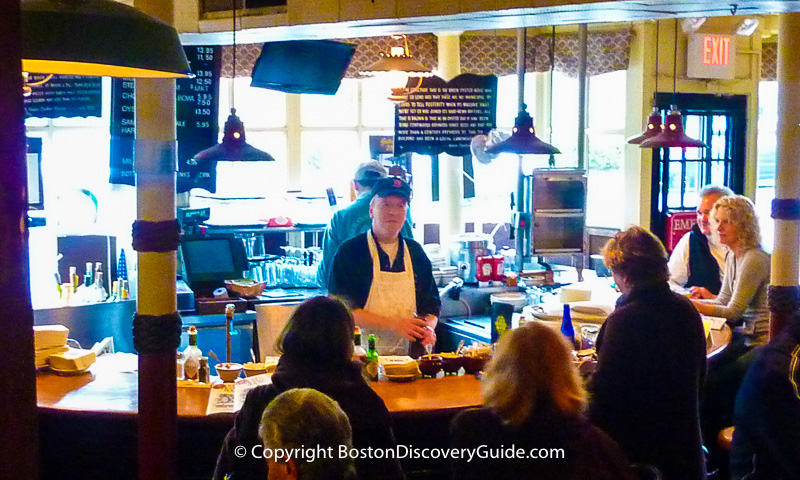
[{"x": 566, "y": 325}]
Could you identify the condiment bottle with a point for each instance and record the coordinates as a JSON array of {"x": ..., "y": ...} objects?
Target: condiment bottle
[
  {"x": 484, "y": 273},
  {"x": 358, "y": 351},
  {"x": 203, "y": 373},
  {"x": 567, "y": 328},
  {"x": 498, "y": 268},
  {"x": 179, "y": 365},
  {"x": 229, "y": 309},
  {"x": 372, "y": 367},
  {"x": 191, "y": 356}
]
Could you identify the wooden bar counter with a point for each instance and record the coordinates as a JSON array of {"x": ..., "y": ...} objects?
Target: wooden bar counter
[{"x": 88, "y": 421}]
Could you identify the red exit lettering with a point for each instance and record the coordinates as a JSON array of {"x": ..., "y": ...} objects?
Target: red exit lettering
[{"x": 716, "y": 50}]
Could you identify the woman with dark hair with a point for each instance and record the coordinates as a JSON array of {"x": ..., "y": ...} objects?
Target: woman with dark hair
[
  {"x": 651, "y": 360},
  {"x": 534, "y": 399},
  {"x": 316, "y": 346}
]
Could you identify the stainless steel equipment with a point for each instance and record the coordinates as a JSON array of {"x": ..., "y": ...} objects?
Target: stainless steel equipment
[
  {"x": 558, "y": 199},
  {"x": 465, "y": 250}
]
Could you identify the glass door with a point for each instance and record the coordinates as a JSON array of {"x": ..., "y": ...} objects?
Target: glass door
[{"x": 678, "y": 174}]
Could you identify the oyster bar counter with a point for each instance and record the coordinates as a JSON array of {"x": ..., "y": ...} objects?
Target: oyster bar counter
[{"x": 87, "y": 422}]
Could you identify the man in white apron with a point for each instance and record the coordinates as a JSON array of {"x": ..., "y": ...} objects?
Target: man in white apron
[{"x": 386, "y": 279}]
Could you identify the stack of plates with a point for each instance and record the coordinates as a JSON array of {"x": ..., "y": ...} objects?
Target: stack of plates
[
  {"x": 435, "y": 255},
  {"x": 447, "y": 273}
]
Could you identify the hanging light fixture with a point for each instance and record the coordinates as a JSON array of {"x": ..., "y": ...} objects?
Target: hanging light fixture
[
  {"x": 234, "y": 146},
  {"x": 655, "y": 123},
  {"x": 673, "y": 134},
  {"x": 396, "y": 68},
  {"x": 98, "y": 38},
  {"x": 523, "y": 139}
]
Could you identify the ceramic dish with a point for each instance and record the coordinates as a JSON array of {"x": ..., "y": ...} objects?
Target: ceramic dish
[
  {"x": 401, "y": 378},
  {"x": 69, "y": 373}
]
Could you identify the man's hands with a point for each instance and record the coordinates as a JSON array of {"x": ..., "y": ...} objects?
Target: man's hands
[{"x": 416, "y": 327}]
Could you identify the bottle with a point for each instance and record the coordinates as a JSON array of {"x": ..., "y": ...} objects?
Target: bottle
[
  {"x": 372, "y": 366},
  {"x": 567, "y": 328},
  {"x": 229, "y": 309},
  {"x": 99, "y": 287},
  {"x": 179, "y": 365},
  {"x": 88, "y": 276},
  {"x": 74, "y": 279},
  {"x": 358, "y": 351},
  {"x": 191, "y": 356},
  {"x": 203, "y": 373}
]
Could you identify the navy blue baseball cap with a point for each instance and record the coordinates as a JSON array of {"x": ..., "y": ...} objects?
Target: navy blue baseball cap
[{"x": 392, "y": 186}]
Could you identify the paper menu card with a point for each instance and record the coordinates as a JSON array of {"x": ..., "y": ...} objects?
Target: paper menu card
[
  {"x": 716, "y": 322},
  {"x": 229, "y": 397}
]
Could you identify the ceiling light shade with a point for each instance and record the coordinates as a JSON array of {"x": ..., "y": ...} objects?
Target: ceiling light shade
[
  {"x": 98, "y": 38},
  {"x": 523, "y": 139},
  {"x": 234, "y": 147},
  {"x": 655, "y": 125},
  {"x": 672, "y": 135},
  {"x": 395, "y": 68}
]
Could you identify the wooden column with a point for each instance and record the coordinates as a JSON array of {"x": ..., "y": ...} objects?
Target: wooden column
[
  {"x": 19, "y": 439},
  {"x": 451, "y": 177},
  {"x": 783, "y": 291},
  {"x": 155, "y": 166}
]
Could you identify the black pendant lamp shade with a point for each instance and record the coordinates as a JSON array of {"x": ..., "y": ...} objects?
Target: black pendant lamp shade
[
  {"x": 654, "y": 126},
  {"x": 98, "y": 38},
  {"x": 672, "y": 135},
  {"x": 233, "y": 148},
  {"x": 523, "y": 139}
]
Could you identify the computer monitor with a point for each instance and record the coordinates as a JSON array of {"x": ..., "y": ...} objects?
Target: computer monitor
[
  {"x": 302, "y": 66},
  {"x": 209, "y": 260}
]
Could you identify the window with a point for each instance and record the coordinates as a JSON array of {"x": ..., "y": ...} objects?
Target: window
[{"x": 767, "y": 159}]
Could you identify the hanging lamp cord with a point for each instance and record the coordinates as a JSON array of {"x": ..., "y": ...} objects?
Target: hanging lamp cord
[
  {"x": 552, "y": 69},
  {"x": 655, "y": 104},
  {"x": 233, "y": 80},
  {"x": 675, "y": 67}
]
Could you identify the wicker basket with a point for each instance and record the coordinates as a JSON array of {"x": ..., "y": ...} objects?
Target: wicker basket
[{"x": 245, "y": 288}]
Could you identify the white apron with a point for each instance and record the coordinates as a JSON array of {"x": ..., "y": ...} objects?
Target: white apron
[{"x": 391, "y": 294}]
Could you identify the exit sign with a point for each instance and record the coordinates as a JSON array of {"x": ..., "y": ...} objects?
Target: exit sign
[{"x": 711, "y": 56}]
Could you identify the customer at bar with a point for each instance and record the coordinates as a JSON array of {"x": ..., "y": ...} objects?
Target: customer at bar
[
  {"x": 698, "y": 259},
  {"x": 743, "y": 302},
  {"x": 387, "y": 279},
  {"x": 651, "y": 360},
  {"x": 300, "y": 419},
  {"x": 353, "y": 219},
  {"x": 316, "y": 346},
  {"x": 534, "y": 399},
  {"x": 766, "y": 438}
]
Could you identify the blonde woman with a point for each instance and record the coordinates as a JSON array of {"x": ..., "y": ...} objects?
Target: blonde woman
[
  {"x": 651, "y": 359},
  {"x": 534, "y": 399},
  {"x": 743, "y": 302}
]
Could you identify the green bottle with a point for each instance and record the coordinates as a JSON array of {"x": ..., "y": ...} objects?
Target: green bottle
[{"x": 372, "y": 366}]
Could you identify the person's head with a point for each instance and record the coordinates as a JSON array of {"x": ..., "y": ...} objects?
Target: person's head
[
  {"x": 306, "y": 419},
  {"x": 708, "y": 195},
  {"x": 319, "y": 331},
  {"x": 531, "y": 365},
  {"x": 735, "y": 220},
  {"x": 636, "y": 257},
  {"x": 367, "y": 174},
  {"x": 389, "y": 206}
]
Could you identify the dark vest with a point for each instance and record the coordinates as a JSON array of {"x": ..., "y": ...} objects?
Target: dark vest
[{"x": 703, "y": 267}]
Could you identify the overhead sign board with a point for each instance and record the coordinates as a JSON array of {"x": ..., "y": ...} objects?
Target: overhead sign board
[{"x": 710, "y": 55}]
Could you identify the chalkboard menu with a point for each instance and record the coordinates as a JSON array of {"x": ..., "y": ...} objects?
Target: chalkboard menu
[
  {"x": 197, "y": 122},
  {"x": 64, "y": 96},
  {"x": 442, "y": 117}
]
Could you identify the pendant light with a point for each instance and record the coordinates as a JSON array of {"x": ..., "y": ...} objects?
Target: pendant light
[
  {"x": 523, "y": 139},
  {"x": 672, "y": 134},
  {"x": 396, "y": 67},
  {"x": 655, "y": 123},
  {"x": 98, "y": 38},
  {"x": 234, "y": 147}
]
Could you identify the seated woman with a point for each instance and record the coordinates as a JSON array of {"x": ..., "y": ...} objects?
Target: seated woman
[
  {"x": 534, "y": 400},
  {"x": 743, "y": 301},
  {"x": 316, "y": 346},
  {"x": 651, "y": 360}
]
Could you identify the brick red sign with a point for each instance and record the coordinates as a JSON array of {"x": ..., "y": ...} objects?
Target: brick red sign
[{"x": 678, "y": 223}]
